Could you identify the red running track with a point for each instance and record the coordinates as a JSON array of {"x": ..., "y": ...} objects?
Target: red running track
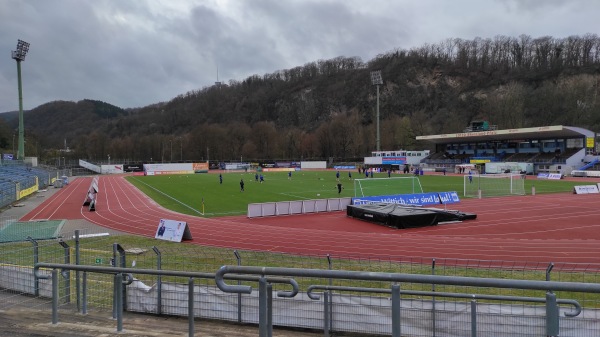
[{"x": 542, "y": 228}]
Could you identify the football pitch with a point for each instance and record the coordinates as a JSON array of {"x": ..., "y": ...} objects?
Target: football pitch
[{"x": 204, "y": 195}]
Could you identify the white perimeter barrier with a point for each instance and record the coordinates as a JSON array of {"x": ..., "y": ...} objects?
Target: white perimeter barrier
[
  {"x": 298, "y": 207},
  {"x": 578, "y": 173}
]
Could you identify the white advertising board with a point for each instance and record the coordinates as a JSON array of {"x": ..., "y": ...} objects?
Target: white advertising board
[
  {"x": 313, "y": 165},
  {"x": 168, "y": 168},
  {"x": 585, "y": 189},
  {"x": 172, "y": 230}
]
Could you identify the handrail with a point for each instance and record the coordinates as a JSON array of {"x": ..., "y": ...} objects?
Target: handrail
[
  {"x": 204, "y": 275},
  {"x": 574, "y": 303},
  {"x": 397, "y": 277}
]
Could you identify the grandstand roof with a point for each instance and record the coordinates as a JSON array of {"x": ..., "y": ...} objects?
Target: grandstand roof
[{"x": 542, "y": 132}]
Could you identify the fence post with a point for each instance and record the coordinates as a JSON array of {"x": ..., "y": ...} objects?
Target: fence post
[
  {"x": 552, "y": 315},
  {"x": 115, "y": 298},
  {"x": 84, "y": 300},
  {"x": 54, "y": 296},
  {"x": 117, "y": 248},
  {"x": 326, "y": 323},
  {"x": 263, "y": 330},
  {"x": 239, "y": 304},
  {"x": 77, "y": 262},
  {"x": 67, "y": 273},
  {"x": 158, "y": 281},
  {"x": 552, "y": 326},
  {"x": 270, "y": 308},
  {"x": 119, "y": 298},
  {"x": 473, "y": 317},
  {"x": 36, "y": 280},
  {"x": 191, "y": 307},
  {"x": 548, "y": 270},
  {"x": 330, "y": 301},
  {"x": 396, "y": 329},
  {"x": 433, "y": 298}
]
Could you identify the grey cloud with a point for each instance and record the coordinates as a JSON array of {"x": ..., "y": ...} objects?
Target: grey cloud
[{"x": 135, "y": 53}]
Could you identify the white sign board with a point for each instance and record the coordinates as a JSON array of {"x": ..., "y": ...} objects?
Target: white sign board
[
  {"x": 172, "y": 230},
  {"x": 585, "y": 189}
]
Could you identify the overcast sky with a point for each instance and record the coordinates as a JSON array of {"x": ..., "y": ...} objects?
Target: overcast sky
[{"x": 133, "y": 53}]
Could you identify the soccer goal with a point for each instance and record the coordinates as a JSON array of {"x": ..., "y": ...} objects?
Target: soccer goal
[
  {"x": 493, "y": 185},
  {"x": 387, "y": 186}
]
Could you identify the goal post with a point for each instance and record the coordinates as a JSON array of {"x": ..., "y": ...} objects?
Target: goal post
[
  {"x": 493, "y": 185},
  {"x": 387, "y": 186}
]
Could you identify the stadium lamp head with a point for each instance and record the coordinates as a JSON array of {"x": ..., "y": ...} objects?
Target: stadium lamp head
[
  {"x": 376, "y": 77},
  {"x": 22, "y": 49}
]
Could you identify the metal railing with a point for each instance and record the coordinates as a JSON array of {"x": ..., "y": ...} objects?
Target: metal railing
[
  {"x": 363, "y": 307},
  {"x": 124, "y": 276},
  {"x": 552, "y": 326}
]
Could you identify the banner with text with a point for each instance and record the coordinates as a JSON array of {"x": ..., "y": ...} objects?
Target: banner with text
[
  {"x": 418, "y": 199},
  {"x": 200, "y": 167},
  {"x": 551, "y": 176}
]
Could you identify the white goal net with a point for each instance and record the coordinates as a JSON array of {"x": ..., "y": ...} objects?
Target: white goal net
[
  {"x": 491, "y": 185},
  {"x": 387, "y": 186}
]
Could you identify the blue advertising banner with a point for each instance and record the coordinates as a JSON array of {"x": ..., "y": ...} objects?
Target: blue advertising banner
[
  {"x": 418, "y": 199},
  {"x": 449, "y": 197},
  {"x": 556, "y": 176}
]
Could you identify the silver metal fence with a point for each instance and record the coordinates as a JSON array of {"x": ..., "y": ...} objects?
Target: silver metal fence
[{"x": 429, "y": 305}]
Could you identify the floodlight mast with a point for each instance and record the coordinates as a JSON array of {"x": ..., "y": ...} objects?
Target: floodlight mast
[
  {"x": 377, "y": 81},
  {"x": 19, "y": 55}
]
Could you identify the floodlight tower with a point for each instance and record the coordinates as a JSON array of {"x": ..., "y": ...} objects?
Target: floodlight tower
[
  {"x": 19, "y": 55},
  {"x": 377, "y": 81}
]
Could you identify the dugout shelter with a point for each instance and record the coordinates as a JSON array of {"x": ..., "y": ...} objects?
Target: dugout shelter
[{"x": 545, "y": 149}]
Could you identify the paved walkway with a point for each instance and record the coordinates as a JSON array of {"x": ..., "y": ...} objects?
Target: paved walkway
[{"x": 35, "y": 319}]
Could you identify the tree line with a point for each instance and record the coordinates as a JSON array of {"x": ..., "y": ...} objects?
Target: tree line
[{"x": 326, "y": 108}]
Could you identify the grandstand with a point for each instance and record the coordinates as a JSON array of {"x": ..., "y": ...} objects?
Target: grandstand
[
  {"x": 18, "y": 181},
  {"x": 551, "y": 149}
]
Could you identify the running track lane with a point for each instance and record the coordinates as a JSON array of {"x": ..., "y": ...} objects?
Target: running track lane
[{"x": 542, "y": 228}]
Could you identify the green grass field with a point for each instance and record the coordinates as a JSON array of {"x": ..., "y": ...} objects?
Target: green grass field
[{"x": 185, "y": 193}]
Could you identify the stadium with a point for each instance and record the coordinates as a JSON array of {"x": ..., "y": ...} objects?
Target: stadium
[{"x": 174, "y": 242}]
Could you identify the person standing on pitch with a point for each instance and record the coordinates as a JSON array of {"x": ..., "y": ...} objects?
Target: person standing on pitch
[
  {"x": 339, "y": 187},
  {"x": 242, "y": 185},
  {"x": 220, "y": 178}
]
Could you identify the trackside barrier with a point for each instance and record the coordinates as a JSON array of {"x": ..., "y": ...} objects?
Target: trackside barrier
[
  {"x": 298, "y": 207},
  {"x": 552, "y": 326},
  {"x": 124, "y": 276},
  {"x": 581, "y": 173}
]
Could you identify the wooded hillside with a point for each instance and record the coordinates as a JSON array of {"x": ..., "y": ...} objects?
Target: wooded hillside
[{"x": 326, "y": 108}]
